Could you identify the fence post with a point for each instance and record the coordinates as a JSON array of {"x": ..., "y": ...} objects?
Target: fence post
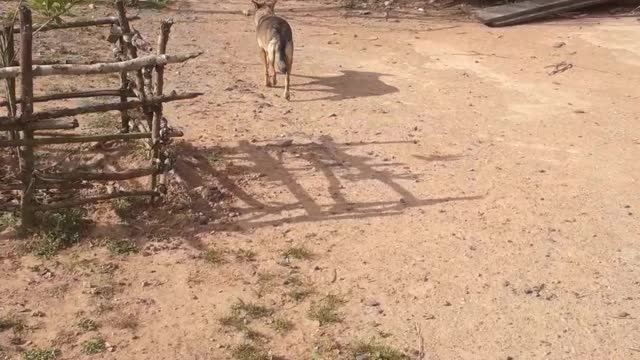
[{"x": 26, "y": 109}]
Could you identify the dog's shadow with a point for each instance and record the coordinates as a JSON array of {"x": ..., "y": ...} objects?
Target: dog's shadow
[{"x": 350, "y": 84}]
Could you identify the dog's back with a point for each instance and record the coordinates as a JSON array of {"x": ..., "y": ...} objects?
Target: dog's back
[
  {"x": 276, "y": 38},
  {"x": 275, "y": 41}
]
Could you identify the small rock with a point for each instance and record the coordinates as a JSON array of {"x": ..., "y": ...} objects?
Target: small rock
[
  {"x": 37, "y": 314},
  {"x": 285, "y": 143},
  {"x": 246, "y": 12},
  {"x": 372, "y": 302},
  {"x": 623, "y": 315},
  {"x": 447, "y": 303},
  {"x": 560, "y": 44},
  {"x": 146, "y": 283}
]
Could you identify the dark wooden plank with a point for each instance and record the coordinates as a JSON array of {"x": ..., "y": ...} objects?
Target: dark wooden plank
[{"x": 529, "y": 10}]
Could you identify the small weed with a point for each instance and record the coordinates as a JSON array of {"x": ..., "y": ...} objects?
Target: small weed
[
  {"x": 300, "y": 294},
  {"x": 149, "y": 4},
  {"x": 214, "y": 256},
  {"x": 141, "y": 150},
  {"x": 41, "y": 354},
  {"x": 8, "y": 220},
  {"x": 293, "y": 280},
  {"x": 94, "y": 345},
  {"x": 241, "y": 315},
  {"x": 325, "y": 311},
  {"x": 250, "y": 352},
  {"x": 244, "y": 255},
  {"x": 298, "y": 253},
  {"x": 213, "y": 158},
  {"x": 282, "y": 325},
  {"x": 241, "y": 324},
  {"x": 121, "y": 247},
  {"x": 127, "y": 208},
  {"x": 52, "y": 8},
  {"x": 59, "y": 230},
  {"x": 86, "y": 325},
  {"x": 249, "y": 310},
  {"x": 375, "y": 351}
]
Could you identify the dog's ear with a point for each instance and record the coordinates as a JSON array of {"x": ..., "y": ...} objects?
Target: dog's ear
[{"x": 256, "y": 4}]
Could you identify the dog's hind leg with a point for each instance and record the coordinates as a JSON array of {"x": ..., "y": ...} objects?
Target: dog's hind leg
[
  {"x": 289, "y": 60},
  {"x": 263, "y": 57}
]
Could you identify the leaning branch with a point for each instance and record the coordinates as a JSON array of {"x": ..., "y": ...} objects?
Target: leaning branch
[
  {"x": 54, "y": 114},
  {"x": 77, "y": 95},
  {"x": 55, "y": 124},
  {"x": 100, "y": 68},
  {"x": 81, "y": 139},
  {"x": 79, "y": 23}
]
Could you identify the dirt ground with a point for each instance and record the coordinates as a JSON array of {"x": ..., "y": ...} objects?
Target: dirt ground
[{"x": 451, "y": 193}]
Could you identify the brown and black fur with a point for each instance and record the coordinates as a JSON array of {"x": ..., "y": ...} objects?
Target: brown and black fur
[{"x": 275, "y": 43}]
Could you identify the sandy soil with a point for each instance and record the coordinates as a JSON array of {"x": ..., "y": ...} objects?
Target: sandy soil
[{"x": 448, "y": 188}]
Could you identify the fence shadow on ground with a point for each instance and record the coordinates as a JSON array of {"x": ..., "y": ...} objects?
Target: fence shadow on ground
[{"x": 275, "y": 184}]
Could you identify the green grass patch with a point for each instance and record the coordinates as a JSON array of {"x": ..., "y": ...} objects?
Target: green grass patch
[
  {"x": 214, "y": 256},
  {"x": 94, "y": 345},
  {"x": 372, "y": 350},
  {"x": 244, "y": 255},
  {"x": 282, "y": 325},
  {"x": 121, "y": 247},
  {"x": 41, "y": 354},
  {"x": 250, "y": 352},
  {"x": 57, "y": 231},
  {"x": 325, "y": 311},
  {"x": 87, "y": 325},
  {"x": 298, "y": 253}
]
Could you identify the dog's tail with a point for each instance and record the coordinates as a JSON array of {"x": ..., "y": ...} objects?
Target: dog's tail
[{"x": 277, "y": 53}]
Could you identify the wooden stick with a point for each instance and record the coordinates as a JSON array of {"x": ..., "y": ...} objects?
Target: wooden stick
[
  {"x": 163, "y": 39},
  {"x": 95, "y": 199},
  {"x": 56, "y": 134},
  {"x": 63, "y": 62},
  {"x": 55, "y": 124},
  {"x": 77, "y": 95},
  {"x": 100, "y": 68},
  {"x": 40, "y": 185},
  {"x": 81, "y": 139},
  {"x": 53, "y": 114},
  {"x": 27, "y": 159},
  {"x": 9, "y": 207},
  {"x": 79, "y": 23},
  {"x": 96, "y": 176},
  {"x": 10, "y": 85},
  {"x": 131, "y": 50}
]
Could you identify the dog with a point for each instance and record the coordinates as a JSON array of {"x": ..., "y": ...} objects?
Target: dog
[{"x": 275, "y": 43}]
